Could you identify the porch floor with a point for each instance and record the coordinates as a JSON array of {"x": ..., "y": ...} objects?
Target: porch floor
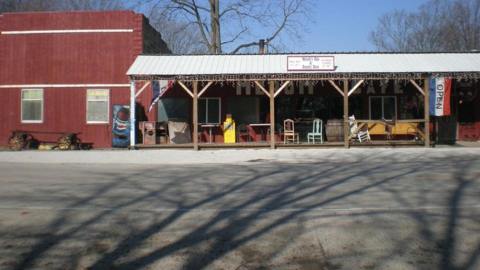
[{"x": 390, "y": 143}]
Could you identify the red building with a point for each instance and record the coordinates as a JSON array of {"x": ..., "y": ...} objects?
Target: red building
[{"x": 63, "y": 72}]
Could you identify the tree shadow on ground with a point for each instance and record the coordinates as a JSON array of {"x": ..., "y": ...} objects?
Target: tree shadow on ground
[{"x": 238, "y": 197}]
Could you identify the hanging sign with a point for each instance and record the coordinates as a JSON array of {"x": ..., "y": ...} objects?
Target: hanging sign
[
  {"x": 310, "y": 63},
  {"x": 440, "y": 90}
]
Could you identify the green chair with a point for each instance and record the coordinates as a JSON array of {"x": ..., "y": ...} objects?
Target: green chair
[{"x": 317, "y": 131}]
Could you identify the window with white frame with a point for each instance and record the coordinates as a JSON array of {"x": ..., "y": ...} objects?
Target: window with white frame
[
  {"x": 98, "y": 106},
  {"x": 383, "y": 107},
  {"x": 32, "y": 106},
  {"x": 209, "y": 110}
]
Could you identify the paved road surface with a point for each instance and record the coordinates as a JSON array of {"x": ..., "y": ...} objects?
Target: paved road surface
[{"x": 375, "y": 212}]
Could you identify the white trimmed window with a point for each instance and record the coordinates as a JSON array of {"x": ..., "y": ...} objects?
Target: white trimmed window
[
  {"x": 383, "y": 107},
  {"x": 209, "y": 110},
  {"x": 32, "y": 106},
  {"x": 98, "y": 104}
]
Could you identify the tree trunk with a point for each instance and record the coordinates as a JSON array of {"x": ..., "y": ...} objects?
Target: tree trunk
[{"x": 216, "y": 47}]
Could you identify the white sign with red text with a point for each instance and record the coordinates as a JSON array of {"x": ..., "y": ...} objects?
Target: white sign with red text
[{"x": 310, "y": 63}]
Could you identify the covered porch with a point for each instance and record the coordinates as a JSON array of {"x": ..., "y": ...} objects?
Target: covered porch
[{"x": 246, "y": 100}]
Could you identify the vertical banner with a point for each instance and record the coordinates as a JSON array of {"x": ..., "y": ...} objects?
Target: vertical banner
[
  {"x": 121, "y": 126},
  {"x": 159, "y": 88},
  {"x": 440, "y": 91}
]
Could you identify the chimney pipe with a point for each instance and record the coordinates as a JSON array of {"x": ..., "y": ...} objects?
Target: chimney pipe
[{"x": 261, "y": 46}]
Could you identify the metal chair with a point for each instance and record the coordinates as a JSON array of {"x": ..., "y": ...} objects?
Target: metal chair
[
  {"x": 317, "y": 131},
  {"x": 361, "y": 135},
  {"x": 289, "y": 133}
]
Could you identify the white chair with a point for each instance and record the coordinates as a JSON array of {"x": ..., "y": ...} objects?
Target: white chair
[
  {"x": 361, "y": 135},
  {"x": 317, "y": 131}
]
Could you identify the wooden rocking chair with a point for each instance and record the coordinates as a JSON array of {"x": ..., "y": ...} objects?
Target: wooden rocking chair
[{"x": 361, "y": 135}]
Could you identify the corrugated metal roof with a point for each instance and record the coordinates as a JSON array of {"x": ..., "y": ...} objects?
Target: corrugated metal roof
[{"x": 181, "y": 65}]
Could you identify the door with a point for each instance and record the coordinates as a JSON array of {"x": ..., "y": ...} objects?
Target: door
[{"x": 446, "y": 129}]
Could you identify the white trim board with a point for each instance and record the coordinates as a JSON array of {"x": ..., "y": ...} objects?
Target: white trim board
[
  {"x": 61, "y": 85},
  {"x": 66, "y": 31}
]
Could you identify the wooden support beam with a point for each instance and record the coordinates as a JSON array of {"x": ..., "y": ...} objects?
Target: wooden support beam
[
  {"x": 426, "y": 96},
  {"x": 186, "y": 88},
  {"x": 346, "y": 125},
  {"x": 205, "y": 88},
  {"x": 272, "y": 113},
  {"x": 281, "y": 88},
  {"x": 417, "y": 87},
  {"x": 355, "y": 87},
  {"x": 336, "y": 87},
  {"x": 262, "y": 88},
  {"x": 195, "y": 115},
  {"x": 142, "y": 89}
]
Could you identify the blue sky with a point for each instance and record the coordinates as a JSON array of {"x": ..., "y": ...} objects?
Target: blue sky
[
  {"x": 345, "y": 25},
  {"x": 334, "y": 25}
]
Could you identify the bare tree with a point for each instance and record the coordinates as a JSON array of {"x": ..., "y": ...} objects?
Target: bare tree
[
  {"x": 181, "y": 37},
  {"x": 91, "y": 5},
  {"x": 234, "y": 25},
  {"x": 465, "y": 25},
  {"x": 53, "y": 5},
  {"x": 27, "y": 5},
  {"x": 438, "y": 25}
]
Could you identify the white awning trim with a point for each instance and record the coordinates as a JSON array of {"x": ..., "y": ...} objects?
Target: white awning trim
[
  {"x": 66, "y": 31},
  {"x": 61, "y": 85}
]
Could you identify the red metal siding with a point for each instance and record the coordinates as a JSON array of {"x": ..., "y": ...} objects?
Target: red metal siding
[
  {"x": 469, "y": 132},
  {"x": 64, "y": 111},
  {"x": 69, "y": 20},
  {"x": 69, "y": 58},
  {"x": 81, "y": 58}
]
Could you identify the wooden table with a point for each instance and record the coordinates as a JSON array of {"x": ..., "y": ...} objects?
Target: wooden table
[
  {"x": 262, "y": 126},
  {"x": 209, "y": 126}
]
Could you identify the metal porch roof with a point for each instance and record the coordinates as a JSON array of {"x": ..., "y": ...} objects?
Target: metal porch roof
[{"x": 267, "y": 64}]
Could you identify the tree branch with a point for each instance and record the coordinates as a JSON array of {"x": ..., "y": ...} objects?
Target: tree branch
[
  {"x": 288, "y": 11},
  {"x": 236, "y": 36}
]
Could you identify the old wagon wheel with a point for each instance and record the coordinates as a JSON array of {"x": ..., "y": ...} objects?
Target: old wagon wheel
[
  {"x": 68, "y": 141},
  {"x": 18, "y": 141}
]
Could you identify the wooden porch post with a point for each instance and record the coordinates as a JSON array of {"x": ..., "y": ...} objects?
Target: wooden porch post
[
  {"x": 426, "y": 90},
  {"x": 195, "y": 115},
  {"x": 271, "y": 90},
  {"x": 346, "y": 126}
]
